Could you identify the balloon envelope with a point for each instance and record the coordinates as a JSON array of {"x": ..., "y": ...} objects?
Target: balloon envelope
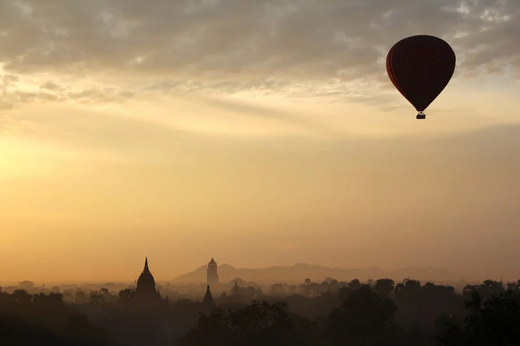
[{"x": 420, "y": 67}]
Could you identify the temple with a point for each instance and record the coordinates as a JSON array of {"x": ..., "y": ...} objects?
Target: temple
[
  {"x": 212, "y": 274},
  {"x": 208, "y": 299},
  {"x": 146, "y": 284},
  {"x": 145, "y": 291},
  {"x": 235, "y": 290}
]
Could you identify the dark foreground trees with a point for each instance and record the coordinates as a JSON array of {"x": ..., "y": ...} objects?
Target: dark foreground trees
[
  {"x": 364, "y": 318},
  {"x": 342, "y": 313},
  {"x": 494, "y": 322},
  {"x": 44, "y": 319},
  {"x": 367, "y": 317},
  {"x": 257, "y": 324}
]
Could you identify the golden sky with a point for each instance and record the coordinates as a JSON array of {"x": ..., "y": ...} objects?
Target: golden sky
[{"x": 259, "y": 132}]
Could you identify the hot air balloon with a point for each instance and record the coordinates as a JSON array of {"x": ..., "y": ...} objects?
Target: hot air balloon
[{"x": 420, "y": 67}]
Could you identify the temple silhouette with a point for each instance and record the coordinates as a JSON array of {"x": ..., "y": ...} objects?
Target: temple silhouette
[
  {"x": 145, "y": 291},
  {"x": 211, "y": 279},
  {"x": 212, "y": 273},
  {"x": 147, "y": 294},
  {"x": 208, "y": 299}
]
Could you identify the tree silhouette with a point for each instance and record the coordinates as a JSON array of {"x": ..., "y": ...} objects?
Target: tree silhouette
[
  {"x": 354, "y": 284},
  {"x": 21, "y": 296},
  {"x": 80, "y": 297},
  {"x": 15, "y": 331},
  {"x": 344, "y": 293},
  {"x": 96, "y": 298},
  {"x": 277, "y": 290},
  {"x": 363, "y": 318},
  {"x": 126, "y": 295},
  {"x": 384, "y": 287},
  {"x": 495, "y": 321},
  {"x": 48, "y": 299},
  {"x": 258, "y": 324},
  {"x": 486, "y": 290}
]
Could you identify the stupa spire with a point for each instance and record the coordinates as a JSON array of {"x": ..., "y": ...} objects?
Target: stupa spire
[
  {"x": 146, "y": 265},
  {"x": 208, "y": 298}
]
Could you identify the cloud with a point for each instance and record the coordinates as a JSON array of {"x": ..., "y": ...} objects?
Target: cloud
[
  {"x": 100, "y": 95},
  {"x": 13, "y": 92},
  {"x": 50, "y": 85},
  {"x": 230, "y": 45}
]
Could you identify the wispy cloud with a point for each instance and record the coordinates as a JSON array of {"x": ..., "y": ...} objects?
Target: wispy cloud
[{"x": 235, "y": 45}]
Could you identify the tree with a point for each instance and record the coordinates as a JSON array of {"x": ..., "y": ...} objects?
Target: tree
[
  {"x": 408, "y": 292},
  {"x": 80, "y": 332},
  {"x": 21, "y": 296},
  {"x": 15, "y": 330},
  {"x": 364, "y": 317},
  {"x": 511, "y": 286},
  {"x": 331, "y": 281},
  {"x": 80, "y": 297},
  {"x": 212, "y": 329},
  {"x": 96, "y": 298},
  {"x": 258, "y": 324},
  {"x": 49, "y": 299},
  {"x": 486, "y": 290},
  {"x": 354, "y": 284},
  {"x": 126, "y": 295},
  {"x": 344, "y": 293},
  {"x": 277, "y": 290},
  {"x": 495, "y": 321},
  {"x": 383, "y": 287},
  {"x": 27, "y": 285}
]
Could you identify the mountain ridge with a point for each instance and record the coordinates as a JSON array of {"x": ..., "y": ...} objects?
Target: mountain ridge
[{"x": 300, "y": 271}]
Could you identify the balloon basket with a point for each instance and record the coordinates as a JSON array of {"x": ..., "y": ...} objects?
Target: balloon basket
[{"x": 421, "y": 116}]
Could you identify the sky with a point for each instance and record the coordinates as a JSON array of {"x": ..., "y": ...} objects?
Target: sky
[{"x": 259, "y": 132}]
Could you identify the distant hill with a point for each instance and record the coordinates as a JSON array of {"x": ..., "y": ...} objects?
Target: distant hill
[{"x": 301, "y": 271}]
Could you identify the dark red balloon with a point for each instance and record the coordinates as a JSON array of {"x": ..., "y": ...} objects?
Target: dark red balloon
[{"x": 420, "y": 67}]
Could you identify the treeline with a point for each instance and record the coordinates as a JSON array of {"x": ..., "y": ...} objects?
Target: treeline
[
  {"x": 377, "y": 313},
  {"x": 44, "y": 319},
  {"x": 329, "y": 313}
]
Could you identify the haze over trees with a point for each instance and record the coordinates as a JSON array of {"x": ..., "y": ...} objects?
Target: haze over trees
[
  {"x": 294, "y": 274},
  {"x": 330, "y": 312}
]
